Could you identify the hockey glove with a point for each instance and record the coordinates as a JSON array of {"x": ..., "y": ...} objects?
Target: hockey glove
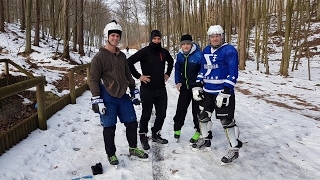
[
  {"x": 135, "y": 97},
  {"x": 98, "y": 105},
  {"x": 223, "y": 97},
  {"x": 197, "y": 93}
]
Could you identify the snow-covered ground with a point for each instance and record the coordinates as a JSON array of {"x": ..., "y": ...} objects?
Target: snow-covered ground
[{"x": 278, "y": 119}]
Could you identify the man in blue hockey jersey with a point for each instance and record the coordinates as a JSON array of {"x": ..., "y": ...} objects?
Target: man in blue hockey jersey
[{"x": 215, "y": 91}]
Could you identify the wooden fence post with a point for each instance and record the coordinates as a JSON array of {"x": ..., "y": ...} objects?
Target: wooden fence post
[
  {"x": 72, "y": 87},
  {"x": 6, "y": 142},
  {"x": 2, "y": 144},
  {"x": 6, "y": 68},
  {"x": 42, "y": 118}
]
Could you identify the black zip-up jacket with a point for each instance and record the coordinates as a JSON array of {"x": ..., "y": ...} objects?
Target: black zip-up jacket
[{"x": 153, "y": 63}]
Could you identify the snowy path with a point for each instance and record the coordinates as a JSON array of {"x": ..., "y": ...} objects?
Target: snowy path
[{"x": 278, "y": 144}]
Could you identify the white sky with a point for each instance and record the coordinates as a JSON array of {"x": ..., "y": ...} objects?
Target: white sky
[{"x": 280, "y": 142}]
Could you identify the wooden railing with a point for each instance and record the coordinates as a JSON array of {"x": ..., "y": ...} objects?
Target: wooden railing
[{"x": 21, "y": 130}]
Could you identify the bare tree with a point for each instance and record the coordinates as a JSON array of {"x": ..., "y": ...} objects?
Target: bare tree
[
  {"x": 23, "y": 15},
  {"x": 286, "y": 52},
  {"x": 75, "y": 27},
  {"x": 1, "y": 16},
  {"x": 265, "y": 28},
  {"x": 37, "y": 24},
  {"x": 66, "y": 30},
  {"x": 318, "y": 11},
  {"x": 7, "y": 12},
  {"x": 80, "y": 27},
  {"x": 28, "y": 26},
  {"x": 279, "y": 11},
  {"x": 242, "y": 49}
]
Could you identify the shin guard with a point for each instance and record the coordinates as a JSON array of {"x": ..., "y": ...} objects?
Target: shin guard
[
  {"x": 232, "y": 132},
  {"x": 205, "y": 127},
  {"x": 233, "y": 135}
]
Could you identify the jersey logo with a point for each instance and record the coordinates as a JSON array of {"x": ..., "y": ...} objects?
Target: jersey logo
[
  {"x": 211, "y": 66},
  {"x": 210, "y": 58}
]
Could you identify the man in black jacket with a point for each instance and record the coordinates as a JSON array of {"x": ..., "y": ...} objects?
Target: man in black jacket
[{"x": 153, "y": 59}]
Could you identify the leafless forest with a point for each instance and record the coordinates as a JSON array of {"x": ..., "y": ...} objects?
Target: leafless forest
[{"x": 82, "y": 21}]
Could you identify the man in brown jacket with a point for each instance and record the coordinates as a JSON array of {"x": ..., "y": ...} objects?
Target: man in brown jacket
[{"x": 109, "y": 79}]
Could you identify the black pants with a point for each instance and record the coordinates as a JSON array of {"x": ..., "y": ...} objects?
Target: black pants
[
  {"x": 109, "y": 133},
  {"x": 221, "y": 113},
  {"x": 184, "y": 99},
  {"x": 150, "y": 97}
]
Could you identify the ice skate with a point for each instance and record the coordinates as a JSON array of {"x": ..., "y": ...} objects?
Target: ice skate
[
  {"x": 113, "y": 160},
  {"x": 195, "y": 138},
  {"x": 156, "y": 137},
  {"x": 209, "y": 135},
  {"x": 177, "y": 135},
  {"x": 233, "y": 153},
  {"x": 138, "y": 153},
  {"x": 202, "y": 144},
  {"x": 144, "y": 141}
]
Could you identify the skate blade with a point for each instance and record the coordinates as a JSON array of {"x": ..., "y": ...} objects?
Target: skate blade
[
  {"x": 160, "y": 145},
  {"x": 205, "y": 149},
  {"x": 226, "y": 164},
  {"x": 177, "y": 140},
  {"x": 140, "y": 159},
  {"x": 115, "y": 166}
]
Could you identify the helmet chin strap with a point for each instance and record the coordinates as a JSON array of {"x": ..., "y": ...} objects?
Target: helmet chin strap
[
  {"x": 115, "y": 47},
  {"x": 111, "y": 44}
]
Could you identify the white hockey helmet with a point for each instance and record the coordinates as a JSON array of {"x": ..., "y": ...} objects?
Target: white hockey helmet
[
  {"x": 216, "y": 29},
  {"x": 112, "y": 27}
]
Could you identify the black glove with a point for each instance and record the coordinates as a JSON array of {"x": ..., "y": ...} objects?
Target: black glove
[
  {"x": 97, "y": 169},
  {"x": 135, "y": 96},
  {"x": 98, "y": 105},
  {"x": 223, "y": 97}
]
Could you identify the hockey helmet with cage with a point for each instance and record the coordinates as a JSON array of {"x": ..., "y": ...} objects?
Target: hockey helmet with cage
[
  {"x": 216, "y": 29},
  {"x": 112, "y": 27}
]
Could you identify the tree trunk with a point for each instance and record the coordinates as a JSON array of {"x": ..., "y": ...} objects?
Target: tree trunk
[
  {"x": 279, "y": 11},
  {"x": 242, "y": 52},
  {"x": 75, "y": 27},
  {"x": 265, "y": 18},
  {"x": 28, "y": 26},
  {"x": 37, "y": 24},
  {"x": 80, "y": 28},
  {"x": 23, "y": 15},
  {"x": 1, "y": 16},
  {"x": 318, "y": 12},
  {"x": 66, "y": 30},
  {"x": 8, "y": 20},
  {"x": 286, "y": 52}
]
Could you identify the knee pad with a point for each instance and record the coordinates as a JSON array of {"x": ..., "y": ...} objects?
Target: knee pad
[
  {"x": 131, "y": 125},
  {"x": 204, "y": 116},
  {"x": 228, "y": 123},
  {"x": 201, "y": 108}
]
